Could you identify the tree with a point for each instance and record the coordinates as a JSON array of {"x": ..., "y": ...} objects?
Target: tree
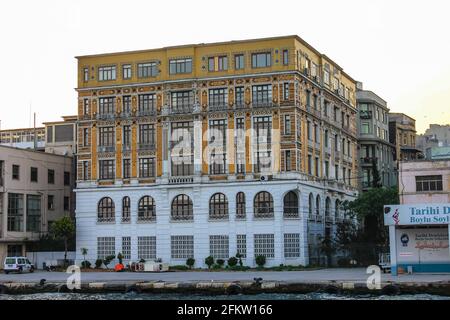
[
  {"x": 108, "y": 260},
  {"x": 327, "y": 247},
  {"x": 190, "y": 262},
  {"x": 120, "y": 257},
  {"x": 239, "y": 256},
  {"x": 63, "y": 229},
  {"x": 260, "y": 261},
  {"x": 232, "y": 261},
  {"x": 84, "y": 252},
  {"x": 209, "y": 261},
  {"x": 369, "y": 208},
  {"x": 376, "y": 182}
]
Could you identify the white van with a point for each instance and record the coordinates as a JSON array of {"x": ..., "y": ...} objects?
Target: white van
[{"x": 17, "y": 264}]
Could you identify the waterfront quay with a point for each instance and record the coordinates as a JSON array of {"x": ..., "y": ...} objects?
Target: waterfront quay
[{"x": 353, "y": 281}]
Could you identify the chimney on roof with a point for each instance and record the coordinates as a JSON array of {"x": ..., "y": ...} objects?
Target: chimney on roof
[{"x": 359, "y": 86}]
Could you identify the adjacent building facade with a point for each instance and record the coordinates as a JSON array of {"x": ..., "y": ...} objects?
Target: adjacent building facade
[
  {"x": 27, "y": 138},
  {"x": 376, "y": 152},
  {"x": 35, "y": 189},
  {"x": 214, "y": 149},
  {"x": 402, "y": 133},
  {"x": 419, "y": 226}
]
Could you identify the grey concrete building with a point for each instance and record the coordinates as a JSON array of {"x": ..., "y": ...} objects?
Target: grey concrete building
[
  {"x": 35, "y": 189},
  {"x": 375, "y": 150}
]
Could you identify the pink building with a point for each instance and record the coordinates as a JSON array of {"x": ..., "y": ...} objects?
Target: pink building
[{"x": 424, "y": 181}]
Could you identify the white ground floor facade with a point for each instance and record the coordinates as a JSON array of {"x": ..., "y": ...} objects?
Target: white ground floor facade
[{"x": 283, "y": 239}]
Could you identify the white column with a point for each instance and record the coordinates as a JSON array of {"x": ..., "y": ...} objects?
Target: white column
[{"x": 393, "y": 249}]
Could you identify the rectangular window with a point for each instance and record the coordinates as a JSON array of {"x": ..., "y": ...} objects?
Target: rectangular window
[
  {"x": 85, "y": 170},
  {"x": 336, "y": 143},
  {"x": 182, "y": 164},
  {"x": 211, "y": 64},
  {"x": 126, "y": 71},
  {"x": 262, "y": 143},
  {"x": 146, "y": 167},
  {"x": 336, "y": 171},
  {"x": 106, "y": 246},
  {"x": 50, "y": 202},
  {"x": 33, "y": 174},
  {"x": 179, "y": 66},
  {"x": 222, "y": 63},
  {"x": 106, "y": 137},
  {"x": 182, "y": 101},
  {"x": 126, "y": 248},
  {"x": 262, "y": 95},
  {"x": 51, "y": 176},
  {"x": 217, "y": 142},
  {"x": 241, "y": 243},
  {"x": 126, "y": 100},
  {"x": 85, "y": 137},
  {"x": 15, "y": 212},
  {"x": 106, "y": 106},
  {"x": 365, "y": 128},
  {"x": 106, "y": 169},
  {"x": 316, "y": 166},
  {"x": 147, "y": 248},
  {"x": 107, "y": 73},
  {"x": 310, "y": 164},
  {"x": 316, "y": 102},
  {"x": 240, "y": 145},
  {"x": 309, "y": 130},
  {"x": 287, "y": 124},
  {"x": 326, "y": 106},
  {"x": 325, "y": 138},
  {"x": 146, "y": 70},
  {"x": 286, "y": 91},
  {"x": 86, "y": 74},
  {"x": 239, "y": 62},
  {"x": 182, "y": 247},
  {"x": 147, "y": 104},
  {"x": 66, "y": 178},
  {"x": 218, "y": 98},
  {"x": 326, "y": 77},
  {"x": 33, "y": 213},
  {"x": 126, "y": 168},
  {"x": 327, "y": 169},
  {"x": 287, "y": 160},
  {"x": 66, "y": 203},
  {"x": 285, "y": 57},
  {"x": 261, "y": 60},
  {"x": 308, "y": 99},
  {"x": 127, "y": 136},
  {"x": 239, "y": 97},
  {"x": 428, "y": 183},
  {"x": 264, "y": 245},
  {"x": 86, "y": 110},
  {"x": 146, "y": 136},
  {"x": 335, "y": 114},
  {"x": 316, "y": 134},
  {"x": 291, "y": 245},
  {"x": 219, "y": 246}
]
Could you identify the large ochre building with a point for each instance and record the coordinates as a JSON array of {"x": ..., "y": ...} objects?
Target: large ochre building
[{"x": 215, "y": 149}]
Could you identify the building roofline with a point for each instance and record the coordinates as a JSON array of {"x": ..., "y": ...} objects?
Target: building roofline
[
  {"x": 35, "y": 151},
  {"x": 21, "y": 129},
  {"x": 294, "y": 36}
]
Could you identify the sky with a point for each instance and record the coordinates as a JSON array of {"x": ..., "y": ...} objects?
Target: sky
[{"x": 399, "y": 49}]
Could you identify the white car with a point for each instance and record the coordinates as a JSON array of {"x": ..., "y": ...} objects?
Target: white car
[{"x": 17, "y": 264}]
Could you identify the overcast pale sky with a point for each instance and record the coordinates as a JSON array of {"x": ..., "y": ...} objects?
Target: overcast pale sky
[{"x": 398, "y": 49}]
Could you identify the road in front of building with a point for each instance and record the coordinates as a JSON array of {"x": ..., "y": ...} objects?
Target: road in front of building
[{"x": 311, "y": 276}]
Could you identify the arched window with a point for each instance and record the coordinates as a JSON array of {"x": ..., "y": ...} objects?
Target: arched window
[
  {"x": 263, "y": 205},
  {"x": 126, "y": 209},
  {"x": 146, "y": 209},
  {"x": 106, "y": 210},
  {"x": 318, "y": 205},
  {"x": 311, "y": 204},
  {"x": 328, "y": 207},
  {"x": 290, "y": 205},
  {"x": 337, "y": 206},
  {"x": 240, "y": 205},
  {"x": 182, "y": 208},
  {"x": 218, "y": 206}
]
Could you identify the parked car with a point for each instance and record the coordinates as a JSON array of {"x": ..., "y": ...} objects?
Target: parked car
[{"x": 17, "y": 264}]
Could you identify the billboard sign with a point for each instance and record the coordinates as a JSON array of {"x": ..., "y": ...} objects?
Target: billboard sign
[{"x": 417, "y": 214}]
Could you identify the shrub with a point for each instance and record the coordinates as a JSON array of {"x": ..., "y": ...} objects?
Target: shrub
[
  {"x": 260, "y": 261},
  {"x": 98, "y": 263},
  {"x": 108, "y": 260},
  {"x": 190, "y": 262},
  {"x": 209, "y": 261},
  {"x": 85, "y": 264},
  {"x": 179, "y": 268},
  {"x": 120, "y": 257},
  {"x": 220, "y": 262},
  {"x": 239, "y": 256},
  {"x": 232, "y": 262}
]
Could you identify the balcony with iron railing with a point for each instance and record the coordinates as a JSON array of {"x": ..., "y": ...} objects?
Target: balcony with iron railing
[
  {"x": 218, "y": 216},
  {"x": 181, "y": 180},
  {"x": 368, "y": 160},
  {"x": 263, "y": 215},
  {"x": 146, "y": 217},
  {"x": 146, "y": 146},
  {"x": 105, "y": 116},
  {"x": 291, "y": 213},
  {"x": 110, "y": 148},
  {"x": 182, "y": 109},
  {"x": 262, "y": 104},
  {"x": 106, "y": 220},
  {"x": 146, "y": 113},
  {"x": 126, "y": 148},
  {"x": 125, "y": 115},
  {"x": 365, "y": 114},
  {"x": 126, "y": 219},
  {"x": 218, "y": 107},
  {"x": 239, "y": 105},
  {"x": 186, "y": 216}
]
